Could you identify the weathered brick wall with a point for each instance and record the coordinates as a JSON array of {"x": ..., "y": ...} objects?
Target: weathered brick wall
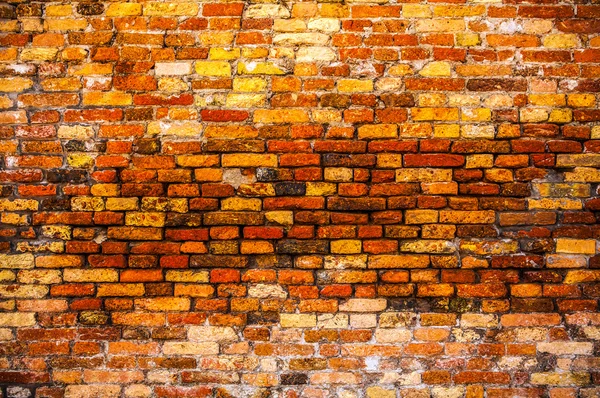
[{"x": 367, "y": 198}]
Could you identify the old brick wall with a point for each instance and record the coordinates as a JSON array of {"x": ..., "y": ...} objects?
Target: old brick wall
[{"x": 369, "y": 198}]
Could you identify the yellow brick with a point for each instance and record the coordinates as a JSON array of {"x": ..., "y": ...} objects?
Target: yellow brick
[
  {"x": 439, "y": 188},
  {"x": 213, "y": 68},
  {"x": 187, "y": 276},
  {"x": 254, "y": 53},
  {"x": 378, "y": 392},
  {"x": 423, "y": 114},
  {"x": 421, "y": 216},
  {"x": 438, "y": 231},
  {"x": 415, "y": 130},
  {"x": 583, "y": 174},
  {"x": 289, "y": 25},
  {"x": 300, "y": 39},
  {"x": 338, "y": 174},
  {"x": 18, "y": 205},
  {"x": 389, "y": 84},
  {"x": 222, "y": 132},
  {"x": 377, "y": 131},
  {"x": 354, "y": 85},
  {"x": 332, "y": 10},
  {"x": 257, "y": 189},
  {"x": 428, "y": 246},
  {"x": 7, "y": 276},
  {"x": 62, "y": 10},
  {"x": 280, "y": 217},
  {"x": 87, "y": 203},
  {"x": 560, "y": 41},
  {"x": 436, "y": 68},
  {"x": 533, "y": 115},
  {"x": 486, "y": 248},
  {"x": 346, "y": 246},
  {"x": 57, "y": 232},
  {"x": 479, "y": 161},
  {"x": 446, "y": 131},
  {"x": 90, "y": 275},
  {"x": 416, "y": 11},
  {"x": 38, "y": 54},
  {"x": 21, "y": 319},
  {"x": 249, "y": 84},
  {"x": 562, "y": 190},
  {"x": 547, "y": 99},
  {"x": 576, "y": 246},
  {"x": 320, "y": 189},
  {"x": 14, "y": 219},
  {"x": 259, "y": 68},
  {"x": 80, "y": 160},
  {"x": 91, "y": 69},
  {"x": 249, "y": 160},
  {"x": 467, "y": 39},
  {"x": 297, "y": 320},
  {"x": 555, "y": 204},
  {"x": 61, "y": 84},
  {"x": 577, "y": 160},
  {"x": 40, "y": 276},
  {"x": 120, "y": 289},
  {"x": 581, "y": 100},
  {"x": 73, "y": 54},
  {"x": 17, "y": 261},
  {"x": 400, "y": 70},
  {"x": 123, "y": 9},
  {"x": 172, "y": 84},
  {"x": 561, "y": 379},
  {"x": 565, "y": 261},
  {"x": 256, "y": 247},
  {"x": 241, "y": 204},
  {"x": 172, "y": 9},
  {"x": 23, "y": 291},
  {"x": 245, "y": 100},
  {"x": 459, "y": 10},
  {"x": 281, "y": 116},
  {"x": 326, "y": 116},
  {"x": 121, "y": 204},
  {"x": 476, "y": 114},
  {"x": 216, "y": 38},
  {"x": 145, "y": 219},
  {"x": 423, "y": 175},
  {"x": 105, "y": 190},
  {"x": 477, "y": 131},
  {"x": 163, "y": 304},
  {"x": 432, "y": 99},
  {"x": 389, "y": 160},
  {"x": 578, "y": 276},
  {"x": 560, "y": 116},
  {"x": 15, "y": 84},
  {"x": 65, "y": 25},
  {"x": 267, "y": 11},
  {"x": 114, "y": 98},
  {"x": 467, "y": 217},
  {"x": 499, "y": 175}
]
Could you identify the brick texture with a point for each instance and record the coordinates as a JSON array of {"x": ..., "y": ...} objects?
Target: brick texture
[{"x": 355, "y": 199}]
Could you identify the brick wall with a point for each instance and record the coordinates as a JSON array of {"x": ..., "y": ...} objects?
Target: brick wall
[{"x": 367, "y": 198}]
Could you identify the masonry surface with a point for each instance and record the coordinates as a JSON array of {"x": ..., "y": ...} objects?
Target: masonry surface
[{"x": 359, "y": 199}]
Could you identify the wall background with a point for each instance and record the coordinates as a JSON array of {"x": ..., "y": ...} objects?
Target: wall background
[{"x": 302, "y": 199}]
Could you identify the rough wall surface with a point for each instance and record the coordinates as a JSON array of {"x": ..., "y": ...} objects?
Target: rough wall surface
[{"x": 300, "y": 199}]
